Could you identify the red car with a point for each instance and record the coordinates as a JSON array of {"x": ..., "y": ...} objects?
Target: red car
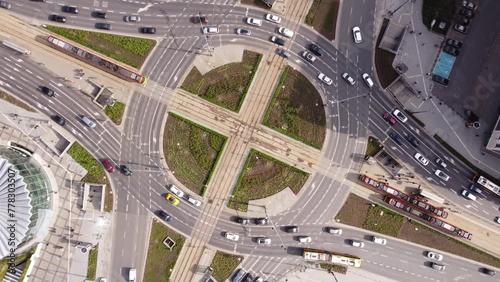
[
  {"x": 197, "y": 19},
  {"x": 108, "y": 166},
  {"x": 389, "y": 118}
]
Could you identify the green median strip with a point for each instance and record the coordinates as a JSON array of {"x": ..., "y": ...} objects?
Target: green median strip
[{"x": 92, "y": 266}]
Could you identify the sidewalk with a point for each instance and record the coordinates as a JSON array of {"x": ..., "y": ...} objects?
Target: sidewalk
[{"x": 419, "y": 52}]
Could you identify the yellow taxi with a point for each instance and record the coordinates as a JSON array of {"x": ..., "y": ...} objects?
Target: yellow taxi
[{"x": 172, "y": 199}]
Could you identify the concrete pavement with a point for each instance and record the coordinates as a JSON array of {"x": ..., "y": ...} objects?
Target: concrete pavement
[{"x": 419, "y": 51}]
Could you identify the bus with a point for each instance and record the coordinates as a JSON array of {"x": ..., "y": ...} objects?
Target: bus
[
  {"x": 484, "y": 182},
  {"x": 344, "y": 259}
]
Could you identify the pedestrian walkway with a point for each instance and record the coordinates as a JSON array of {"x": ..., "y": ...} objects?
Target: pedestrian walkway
[{"x": 419, "y": 52}]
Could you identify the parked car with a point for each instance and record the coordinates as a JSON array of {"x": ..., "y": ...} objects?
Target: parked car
[
  {"x": 198, "y": 19},
  {"x": 357, "y": 244},
  {"x": 252, "y": 21},
  {"x": 464, "y": 21},
  {"x": 452, "y": 51},
  {"x": 277, "y": 40},
  {"x": 461, "y": 28},
  {"x": 399, "y": 115},
  {"x": 194, "y": 201},
  {"x": 356, "y": 33},
  {"x": 325, "y": 79},
  {"x": 247, "y": 278},
  {"x": 132, "y": 18},
  {"x": 454, "y": 43},
  {"x": 174, "y": 189},
  {"x": 467, "y": 13},
  {"x": 242, "y": 220},
  {"x": 273, "y": 18},
  {"x": 309, "y": 57},
  {"x": 148, "y": 30},
  {"x": 47, "y": 91},
  {"x": 163, "y": 215},
  {"x": 70, "y": 9},
  {"x": 172, "y": 199},
  {"x": 334, "y": 231},
  {"x": 99, "y": 14},
  {"x": 264, "y": 240},
  {"x": 441, "y": 175},
  {"x": 105, "y": 26},
  {"x": 316, "y": 50},
  {"x": 210, "y": 30},
  {"x": 286, "y": 32},
  {"x": 261, "y": 221},
  {"x": 421, "y": 159},
  {"x": 59, "y": 120},
  {"x": 437, "y": 266},
  {"x": 242, "y": 31},
  {"x": 305, "y": 239},
  {"x": 469, "y": 5},
  {"x": 348, "y": 78},
  {"x": 434, "y": 256},
  {"x": 441, "y": 80},
  {"x": 108, "y": 165},
  {"x": 412, "y": 140},
  {"x": 57, "y": 18},
  {"x": 5, "y": 5},
  {"x": 232, "y": 236},
  {"x": 292, "y": 229},
  {"x": 378, "y": 240},
  {"x": 389, "y": 118},
  {"x": 284, "y": 53}
]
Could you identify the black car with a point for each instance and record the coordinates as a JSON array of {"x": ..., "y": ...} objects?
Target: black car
[
  {"x": 488, "y": 271},
  {"x": 163, "y": 215},
  {"x": 98, "y": 14},
  {"x": 198, "y": 19},
  {"x": 247, "y": 278},
  {"x": 105, "y": 26},
  {"x": 242, "y": 220},
  {"x": 292, "y": 229},
  {"x": 125, "y": 170},
  {"x": 467, "y": 13},
  {"x": 148, "y": 30},
  {"x": 396, "y": 138},
  {"x": 278, "y": 40},
  {"x": 47, "y": 91},
  {"x": 412, "y": 140},
  {"x": 464, "y": 21},
  {"x": 316, "y": 50},
  {"x": 70, "y": 9},
  {"x": 441, "y": 80},
  {"x": 261, "y": 221},
  {"x": 59, "y": 120},
  {"x": 452, "y": 51},
  {"x": 454, "y": 43},
  {"x": 57, "y": 18}
]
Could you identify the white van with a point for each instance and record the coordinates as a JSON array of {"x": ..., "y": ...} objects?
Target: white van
[
  {"x": 87, "y": 121},
  {"x": 468, "y": 195}
]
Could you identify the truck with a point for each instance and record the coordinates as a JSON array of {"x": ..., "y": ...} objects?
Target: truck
[{"x": 132, "y": 275}]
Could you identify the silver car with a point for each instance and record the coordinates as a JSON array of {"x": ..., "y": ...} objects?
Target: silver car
[{"x": 134, "y": 19}]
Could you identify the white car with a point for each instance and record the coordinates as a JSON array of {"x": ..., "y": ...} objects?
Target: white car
[
  {"x": 348, "y": 78},
  {"x": 273, "y": 18},
  {"x": 441, "y": 175},
  {"x": 305, "y": 239},
  {"x": 252, "y": 21},
  {"x": 308, "y": 56},
  {"x": 194, "y": 201},
  {"x": 210, "y": 30},
  {"x": 176, "y": 191},
  {"x": 242, "y": 31},
  {"x": 103, "y": 279},
  {"x": 357, "y": 244},
  {"x": 368, "y": 80},
  {"x": 399, "y": 115},
  {"x": 232, "y": 236},
  {"x": 497, "y": 219},
  {"x": 325, "y": 78},
  {"x": 356, "y": 33},
  {"x": 264, "y": 241},
  {"x": 378, "y": 240},
  {"x": 334, "y": 231},
  {"x": 435, "y": 256},
  {"x": 134, "y": 19},
  {"x": 421, "y": 159},
  {"x": 285, "y": 31}
]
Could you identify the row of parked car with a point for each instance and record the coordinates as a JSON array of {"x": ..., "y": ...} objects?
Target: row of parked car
[{"x": 463, "y": 22}]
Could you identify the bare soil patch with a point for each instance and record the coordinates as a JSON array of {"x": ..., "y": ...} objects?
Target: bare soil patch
[
  {"x": 226, "y": 85},
  {"x": 297, "y": 109},
  {"x": 323, "y": 17},
  {"x": 263, "y": 176}
]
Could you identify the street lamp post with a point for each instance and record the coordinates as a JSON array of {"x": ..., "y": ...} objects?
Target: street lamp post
[{"x": 206, "y": 36}]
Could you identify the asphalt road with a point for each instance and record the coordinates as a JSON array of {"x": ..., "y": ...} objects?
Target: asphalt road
[{"x": 352, "y": 113}]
